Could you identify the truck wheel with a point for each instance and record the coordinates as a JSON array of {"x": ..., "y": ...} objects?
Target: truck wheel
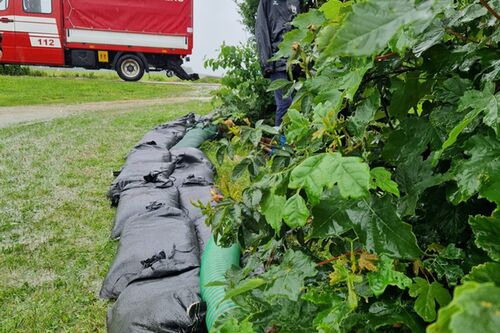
[{"x": 130, "y": 68}]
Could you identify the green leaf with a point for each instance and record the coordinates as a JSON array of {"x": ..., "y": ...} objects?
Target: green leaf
[
  {"x": 485, "y": 273},
  {"x": 351, "y": 175},
  {"x": 387, "y": 276},
  {"x": 312, "y": 18},
  {"x": 231, "y": 325},
  {"x": 375, "y": 222},
  {"x": 385, "y": 314},
  {"x": 408, "y": 95},
  {"x": 427, "y": 296},
  {"x": 364, "y": 115},
  {"x": 479, "y": 102},
  {"x": 414, "y": 176},
  {"x": 455, "y": 132},
  {"x": 487, "y": 233},
  {"x": 452, "y": 89},
  {"x": 287, "y": 47},
  {"x": 334, "y": 10},
  {"x": 447, "y": 264},
  {"x": 331, "y": 319},
  {"x": 279, "y": 84},
  {"x": 480, "y": 173},
  {"x": 296, "y": 212},
  {"x": 240, "y": 169},
  {"x": 381, "y": 178},
  {"x": 381, "y": 230},
  {"x": 289, "y": 277},
  {"x": 372, "y": 24},
  {"x": 330, "y": 216},
  {"x": 298, "y": 126},
  {"x": 475, "y": 308},
  {"x": 410, "y": 140},
  {"x": 272, "y": 208},
  {"x": 244, "y": 287}
]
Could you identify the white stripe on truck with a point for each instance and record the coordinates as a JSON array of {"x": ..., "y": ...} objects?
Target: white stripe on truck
[
  {"x": 33, "y": 19},
  {"x": 40, "y": 25},
  {"x": 124, "y": 38}
]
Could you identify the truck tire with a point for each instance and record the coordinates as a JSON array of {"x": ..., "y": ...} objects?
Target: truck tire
[{"x": 130, "y": 67}]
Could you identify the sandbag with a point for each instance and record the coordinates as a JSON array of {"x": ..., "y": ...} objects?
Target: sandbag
[
  {"x": 153, "y": 245},
  {"x": 148, "y": 153},
  {"x": 203, "y": 233},
  {"x": 139, "y": 173},
  {"x": 192, "y": 193},
  {"x": 137, "y": 200},
  {"x": 196, "y": 190},
  {"x": 167, "y": 305},
  {"x": 162, "y": 139},
  {"x": 191, "y": 163}
]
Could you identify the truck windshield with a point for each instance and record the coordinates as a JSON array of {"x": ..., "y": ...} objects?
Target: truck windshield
[
  {"x": 37, "y": 6},
  {"x": 4, "y": 4}
]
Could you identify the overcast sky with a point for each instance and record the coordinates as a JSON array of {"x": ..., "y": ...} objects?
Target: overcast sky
[{"x": 215, "y": 21}]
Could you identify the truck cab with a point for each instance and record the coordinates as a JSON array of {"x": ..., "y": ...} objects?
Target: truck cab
[
  {"x": 31, "y": 32},
  {"x": 129, "y": 36}
]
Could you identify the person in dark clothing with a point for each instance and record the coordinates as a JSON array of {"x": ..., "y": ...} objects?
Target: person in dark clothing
[{"x": 274, "y": 19}]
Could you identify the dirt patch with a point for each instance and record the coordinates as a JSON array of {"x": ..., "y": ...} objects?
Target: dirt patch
[{"x": 20, "y": 114}]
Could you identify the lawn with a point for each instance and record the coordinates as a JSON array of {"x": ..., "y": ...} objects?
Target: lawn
[
  {"x": 111, "y": 75},
  {"x": 54, "y": 217},
  {"x": 28, "y": 90}
]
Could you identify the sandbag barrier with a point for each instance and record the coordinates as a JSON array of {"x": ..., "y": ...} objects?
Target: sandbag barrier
[{"x": 155, "y": 276}]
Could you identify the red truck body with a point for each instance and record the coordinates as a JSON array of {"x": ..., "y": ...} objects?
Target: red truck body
[{"x": 154, "y": 34}]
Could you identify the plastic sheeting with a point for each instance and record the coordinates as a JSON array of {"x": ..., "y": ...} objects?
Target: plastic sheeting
[{"x": 155, "y": 274}]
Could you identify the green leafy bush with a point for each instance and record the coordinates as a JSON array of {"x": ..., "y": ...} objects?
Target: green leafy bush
[
  {"x": 248, "y": 10},
  {"x": 381, "y": 211},
  {"x": 14, "y": 70},
  {"x": 244, "y": 90}
]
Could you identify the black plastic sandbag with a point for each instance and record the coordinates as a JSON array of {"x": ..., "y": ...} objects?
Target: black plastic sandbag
[
  {"x": 169, "y": 134},
  {"x": 153, "y": 245},
  {"x": 162, "y": 138},
  {"x": 193, "y": 193},
  {"x": 139, "y": 173},
  {"x": 191, "y": 163},
  {"x": 148, "y": 153},
  {"x": 167, "y": 305},
  {"x": 136, "y": 200},
  {"x": 203, "y": 232}
]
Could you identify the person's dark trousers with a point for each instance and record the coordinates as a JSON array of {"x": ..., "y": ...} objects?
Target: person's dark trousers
[{"x": 282, "y": 103}]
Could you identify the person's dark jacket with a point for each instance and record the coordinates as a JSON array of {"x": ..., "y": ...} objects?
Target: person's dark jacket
[{"x": 274, "y": 19}]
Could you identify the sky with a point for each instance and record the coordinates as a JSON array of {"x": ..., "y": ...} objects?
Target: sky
[{"x": 215, "y": 21}]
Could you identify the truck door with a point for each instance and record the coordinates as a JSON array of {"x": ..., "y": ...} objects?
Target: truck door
[
  {"x": 38, "y": 28},
  {"x": 7, "y": 36}
]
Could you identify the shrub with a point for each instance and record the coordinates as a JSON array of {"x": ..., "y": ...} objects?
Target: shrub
[
  {"x": 14, "y": 70},
  {"x": 244, "y": 90},
  {"x": 381, "y": 213}
]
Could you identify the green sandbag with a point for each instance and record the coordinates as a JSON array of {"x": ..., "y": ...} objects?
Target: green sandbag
[
  {"x": 195, "y": 137},
  {"x": 216, "y": 261}
]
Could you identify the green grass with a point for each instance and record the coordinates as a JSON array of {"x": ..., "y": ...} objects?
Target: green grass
[
  {"x": 111, "y": 75},
  {"x": 27, "y": 90},
  {"x": 55, "y": 219}
]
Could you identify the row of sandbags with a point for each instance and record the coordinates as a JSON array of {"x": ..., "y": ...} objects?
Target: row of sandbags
[{"x": 155, "y": 274}]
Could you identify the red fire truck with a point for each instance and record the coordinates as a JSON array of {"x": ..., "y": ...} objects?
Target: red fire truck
[{"x": 129, "y": 36}]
